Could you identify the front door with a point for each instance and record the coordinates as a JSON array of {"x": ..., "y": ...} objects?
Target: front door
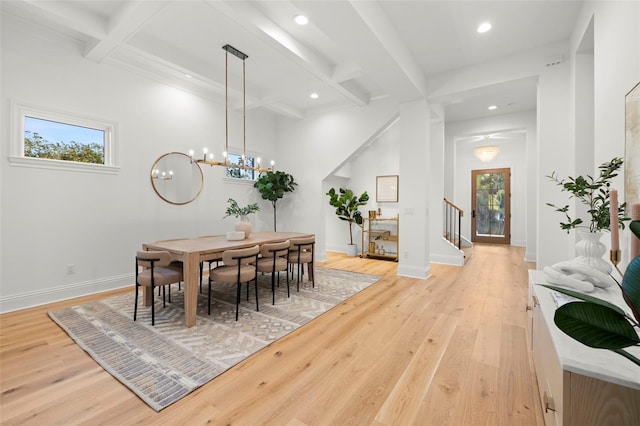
[{"x": 491, "y": 203}]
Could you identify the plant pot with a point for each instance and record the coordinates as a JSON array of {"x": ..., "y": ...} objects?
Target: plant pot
[
  {"x": 244, "y": 225},
  {"x": 352, "y": 249},
  {"x": 590, "y": 251}
]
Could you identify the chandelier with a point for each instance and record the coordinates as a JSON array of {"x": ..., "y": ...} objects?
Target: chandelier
[{"x": 242, "y": 163}]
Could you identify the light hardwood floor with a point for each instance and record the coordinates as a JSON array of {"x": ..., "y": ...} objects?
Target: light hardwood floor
[{"x": 450, "y": 350}]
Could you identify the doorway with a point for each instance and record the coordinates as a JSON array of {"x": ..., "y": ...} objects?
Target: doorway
[{"x": 491, "y": 204}]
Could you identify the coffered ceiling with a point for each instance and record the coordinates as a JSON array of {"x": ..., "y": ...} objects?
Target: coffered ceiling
[{"x": 349, "y": 53}]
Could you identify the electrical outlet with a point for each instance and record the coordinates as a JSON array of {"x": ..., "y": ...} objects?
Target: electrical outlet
[{"x": 71, "y": 269}]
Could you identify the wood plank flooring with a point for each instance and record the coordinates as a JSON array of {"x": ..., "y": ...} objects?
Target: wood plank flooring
[{"x": 450, "y": 350}]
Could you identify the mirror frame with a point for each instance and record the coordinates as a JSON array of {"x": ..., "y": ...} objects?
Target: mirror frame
[{"x": 175, "y": 203}]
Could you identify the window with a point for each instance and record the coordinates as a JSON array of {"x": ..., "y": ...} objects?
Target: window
[
  {"x": 60, "y": 140},
  {"x": 238, "y": 173}
]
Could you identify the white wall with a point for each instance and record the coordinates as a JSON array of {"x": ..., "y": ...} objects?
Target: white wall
[
  {"x": 616, "y": 69},
  {"x": 381, "y": 157},
  {"x": 53, "y": 218},
  {"x": 513, "y": 154}
]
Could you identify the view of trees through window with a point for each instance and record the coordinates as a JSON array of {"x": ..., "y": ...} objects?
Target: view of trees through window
[
  {"x": 61, "y": 141},
  {"x": 235, "y": 172}
]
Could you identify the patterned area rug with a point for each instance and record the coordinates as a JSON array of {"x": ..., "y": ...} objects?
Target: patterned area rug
[{"x": 164, "y": 363}]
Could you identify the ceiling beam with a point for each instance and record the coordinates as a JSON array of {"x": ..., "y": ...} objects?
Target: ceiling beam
[
  {"x": 258, "y": 24},
  {"x": 364, "y": 33},
  {"x": 129, "y": 19}
]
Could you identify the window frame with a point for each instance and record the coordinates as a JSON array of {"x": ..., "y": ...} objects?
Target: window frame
[
  {"x": 20, "y": 110},
  {"x": 256, "y": 175}
]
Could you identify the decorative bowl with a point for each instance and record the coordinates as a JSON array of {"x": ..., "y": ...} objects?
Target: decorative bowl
[{"x": 235, "y": 235}]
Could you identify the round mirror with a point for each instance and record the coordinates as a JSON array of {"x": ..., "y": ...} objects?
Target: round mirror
[{"x": 176, "y": 179}]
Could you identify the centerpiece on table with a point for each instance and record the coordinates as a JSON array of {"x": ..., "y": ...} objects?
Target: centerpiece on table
[{"x": 233, "y": 209}]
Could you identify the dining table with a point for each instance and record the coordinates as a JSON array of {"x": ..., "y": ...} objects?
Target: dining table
[{"x": 192, "y": 251}]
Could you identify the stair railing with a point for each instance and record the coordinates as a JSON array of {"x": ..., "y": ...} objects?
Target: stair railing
[{"x": 452, "y": 219}]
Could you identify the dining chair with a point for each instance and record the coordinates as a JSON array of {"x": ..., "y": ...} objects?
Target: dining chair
[
  {"x": 240, "y": 266},
  {"x": 301, "y": 252},
  {"x": 273, "y": 260},
  {"x": 157, "y": 271},
  {"x": 210, "y": 261}
]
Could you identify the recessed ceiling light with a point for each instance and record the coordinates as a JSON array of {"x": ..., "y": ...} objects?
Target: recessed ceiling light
[
  {"x": 301, "y": 20},
  {"x": 314, "y": 95},
  {"x": 484, "y": 27},
  {"x": 492, "y": 107}
]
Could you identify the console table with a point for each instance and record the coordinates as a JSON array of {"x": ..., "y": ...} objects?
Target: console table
[{"x": 579, "y": 385}]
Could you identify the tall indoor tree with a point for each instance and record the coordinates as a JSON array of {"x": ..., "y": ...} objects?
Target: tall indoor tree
[{"x": 273, "y": 186}]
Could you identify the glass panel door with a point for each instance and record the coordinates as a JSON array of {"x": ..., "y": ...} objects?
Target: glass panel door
[{"x": 490, "y": 221}]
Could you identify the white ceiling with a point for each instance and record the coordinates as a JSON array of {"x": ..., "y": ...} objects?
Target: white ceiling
[{"x": 350, "y": 53}]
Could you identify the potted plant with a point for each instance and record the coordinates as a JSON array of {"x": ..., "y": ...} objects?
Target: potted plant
[
  {"x": 594, "y": 193},
  {"x": 273, "y": 186},
  {"x": 599, "y": 324},
  {"x": 347, "y": 204},
  {"x": 233, "y": 209}
]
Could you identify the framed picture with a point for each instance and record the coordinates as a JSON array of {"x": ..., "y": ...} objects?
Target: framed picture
[
  {"x": 387, "y": 189},
  {"x": 632, "y": 147}
]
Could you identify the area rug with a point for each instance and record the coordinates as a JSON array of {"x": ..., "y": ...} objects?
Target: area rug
[{"x": 164, "y": 363}]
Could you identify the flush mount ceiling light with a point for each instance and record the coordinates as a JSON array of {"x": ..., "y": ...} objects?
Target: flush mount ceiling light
[
  {"x": 492, "y": 107},
  {"x": 301, "y": 20},
  {"x": 486, "y": 153},
  {"x": 314, "y": 95},
  {"x": 484, "y": 27}
]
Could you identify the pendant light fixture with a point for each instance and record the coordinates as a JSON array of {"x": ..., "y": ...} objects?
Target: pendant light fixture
[{"x": 209, "y": 159}]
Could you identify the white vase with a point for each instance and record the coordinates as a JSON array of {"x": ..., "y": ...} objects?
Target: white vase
[
  {"x": 590, "y": 251},
  {"x": 352, "y": 249},
  {"x": 244, "y": 225}
]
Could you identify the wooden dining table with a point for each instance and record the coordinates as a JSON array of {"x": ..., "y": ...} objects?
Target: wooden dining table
[{"x": 192, "y": 251}]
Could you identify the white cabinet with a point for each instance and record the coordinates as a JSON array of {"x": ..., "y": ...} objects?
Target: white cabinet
[{"x": 578, "y": 385}]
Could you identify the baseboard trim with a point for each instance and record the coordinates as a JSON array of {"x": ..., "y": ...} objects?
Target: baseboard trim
[
  {"x": 56, "y": 294},
  {"x": 419, "y": 272}
]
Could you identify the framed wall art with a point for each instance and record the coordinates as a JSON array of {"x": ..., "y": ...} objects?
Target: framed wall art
[{"x": 387, "y": 189}]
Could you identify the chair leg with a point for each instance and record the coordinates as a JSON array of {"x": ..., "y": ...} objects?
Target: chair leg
[
  {"x": 273, "y": 286},
  {"x": 201, "y": 267},
  {"x": 209, "y": 298},
  {"x": 135, "y": 307},
  {"x": 288, "y": 293},
  {"x": 238, "y": 298},
  {"x": 170, "y": 292},
  {"x": 164, "y": 298},
  {"x": 153, "y": 308},
  {"x": 256, "y": 284}
]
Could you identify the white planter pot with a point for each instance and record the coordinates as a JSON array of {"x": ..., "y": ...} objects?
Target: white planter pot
[
  {"x": 244, "y": 225},
  {"x": 352, "y": 249},
  {"x": 590, "y": 251}
]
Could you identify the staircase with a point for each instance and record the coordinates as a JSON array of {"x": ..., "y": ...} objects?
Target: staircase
[{"x": 452, "y": 218}]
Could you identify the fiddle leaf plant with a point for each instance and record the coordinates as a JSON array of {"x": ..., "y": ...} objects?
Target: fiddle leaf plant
[
  {"x": 347, "y": 204},
  {"x": 272, "y": 186},
  {"x": 599, "y": 324},
  {"x": 592, "y": 192}
]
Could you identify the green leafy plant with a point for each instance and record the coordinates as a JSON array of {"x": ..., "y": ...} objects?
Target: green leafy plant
[
  {"x": 233, "y": 209},
  {"x": 273, "y": 186},
  {"x": 347, "y": 204},
  {"x": 594, "y": 193},
  {"x": 600, "y": 324}
]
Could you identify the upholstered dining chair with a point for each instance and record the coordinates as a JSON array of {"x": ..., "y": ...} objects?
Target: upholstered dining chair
[
  {"x": 240, "y": 266},
  {"x": 158, "y": 272},
  {"x": 273, "y": 260},
  {"x": 301, "y": 253},
  {"x": 210, "y": 261}
]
